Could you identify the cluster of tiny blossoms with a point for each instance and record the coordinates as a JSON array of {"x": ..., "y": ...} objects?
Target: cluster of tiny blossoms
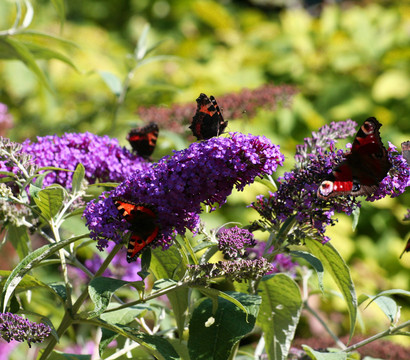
[
  {"x": 245, "y": 259},
  {"x": 14, "y": 327},
  {"x": 104, "y": 160},
  {"x": 205, "y": 172},
  {"x": 234, "y": 241},
  {"x": 296, "y": 195},
  {"x": 239, "y": 270}
]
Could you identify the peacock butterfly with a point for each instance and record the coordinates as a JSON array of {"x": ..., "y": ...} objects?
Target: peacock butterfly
[
  {"x": 144, "y": 227},
  {"x": 144, "y": 139},
  {"x": 363, "y": 168},
  {"x": 208, "y": 120}
]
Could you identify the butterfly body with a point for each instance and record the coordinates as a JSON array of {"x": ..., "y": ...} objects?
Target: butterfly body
[
  {"x": 144, "y": 139},
  {"x": 364, "y": 167},
  {"x": 208, "y": 120},
  {"x": 144, "y": 227}
]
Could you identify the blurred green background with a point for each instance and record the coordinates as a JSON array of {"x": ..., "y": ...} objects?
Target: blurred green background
[{"x": 349, "y": 60}]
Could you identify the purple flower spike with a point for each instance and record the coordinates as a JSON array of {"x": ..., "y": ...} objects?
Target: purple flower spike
[
  {"x": 104, "y": 160},
  {"x": 398, "y": 178},
  {"x": 233, "y": 242},
  {"x": 206, "y": 172},
  {"x": 14, "y": 327}
]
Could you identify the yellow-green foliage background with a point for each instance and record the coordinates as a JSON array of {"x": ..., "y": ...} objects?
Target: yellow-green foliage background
[{"x": 350, "y": 61}]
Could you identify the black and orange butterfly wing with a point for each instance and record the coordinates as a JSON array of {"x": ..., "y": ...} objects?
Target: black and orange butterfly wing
[
  {"x": 208, "y": 120},
  {"x": 363, "y": 168},
  {"x": 143, "y": 140},
  {"x": 144, "y": 226}
]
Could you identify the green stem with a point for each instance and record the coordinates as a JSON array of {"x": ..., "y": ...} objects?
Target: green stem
[
  {"x": 69, "y": 316},
  {"x": 152, "y": 296},
  {"x": 390, "y": 331},
  {"x": 330, "y": 332}
]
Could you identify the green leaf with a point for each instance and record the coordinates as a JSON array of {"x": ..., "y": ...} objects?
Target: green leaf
[
  {"x": 315, "y": 262},
  {"x": 112, "y": 81},
  {"x": 28, "y": 263},
  {"x": 386, "y": 304},
  {"x": 19, "y": 238},
  {"x": 356, "y": 215},
  {"x": 59, "y": 6},
  {"x": 78, "y": 178},
  {"x": 213, "y": 249},
  {"x": 316, "y": 355},
  {"x": 213, "y": 335},
  {"x": 126, "y": 315},
  {"x": 279, "y": 313},
  {"x": 141, "y": 48},
  {"x": 29, "y": 282},
  {"x": 269, "y": 184},
  {"x": 337, "y": 268},
  {"x": 49, "y": 200},
  {"x": 43, "y": 52},
  {"x": 170, "y": 264},
  {"x": 107, "y": 336},
  {"x": 101, "y": 289},
  {"x": 155, "y": 345},
  {"x": 60, "y": 290},
  {"x": 387, "y": 293},
  {"x": 58, "y": 355},
  {"x": 213, "y": 294},
  {"x": 20, "y": 51}
]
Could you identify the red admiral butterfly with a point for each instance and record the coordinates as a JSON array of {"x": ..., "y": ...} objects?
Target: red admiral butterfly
[
  {"x": 208, "y": 120},
  {"x": 363, "y": 168},
  {"x": 144, "y": 226},
  {"x": 144, "y": 139}
]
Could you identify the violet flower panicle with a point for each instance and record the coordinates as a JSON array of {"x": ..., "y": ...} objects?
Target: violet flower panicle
[
  {"x": 15, "y": 327},
  {"x": 177, "y": 185},
  {"x": 104, "y": 160}
]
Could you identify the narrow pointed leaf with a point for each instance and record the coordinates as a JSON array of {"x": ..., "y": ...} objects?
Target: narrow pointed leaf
[
  {"x": 29, "y": 262},
  {"x": 315, "y": 262},
  {"x": 101, "y": 290},
  {"x": 141, "y": 48},
  {"x": 49, "y": 201},
  {"x": 279, "y": 313},
  {"x": 21, "y": 52},
  {"x": 337, "y": 268},
  {"x": 317, "y": 355},
  {"x": 19, "y": 238},
  {"x": 170, "y": 264},
  {"x": 78, "y": 178},
  {"x": 112, "y": 81}
]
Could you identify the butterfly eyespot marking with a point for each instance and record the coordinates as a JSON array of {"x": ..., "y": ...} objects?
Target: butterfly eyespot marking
[
  {"x": 368, "y": 128},
  {"x": 326, "y": 188}
]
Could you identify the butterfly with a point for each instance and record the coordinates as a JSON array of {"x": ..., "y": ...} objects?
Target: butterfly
[
  {"x": 363, "y": 168},
  {"x": 144, "y": 227},
  {"x": 208, "y": 120},
  {"x": 144, "y": 139}
]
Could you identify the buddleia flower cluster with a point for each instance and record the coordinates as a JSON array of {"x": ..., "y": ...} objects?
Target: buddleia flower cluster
[
  {"x": 176, "y": 186},
  {"x": 296, "y": 207},
  {"x": 14, "y": 327},
  {"x": 104, "y": 160},
  {"x": 244, "y": 259}
]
